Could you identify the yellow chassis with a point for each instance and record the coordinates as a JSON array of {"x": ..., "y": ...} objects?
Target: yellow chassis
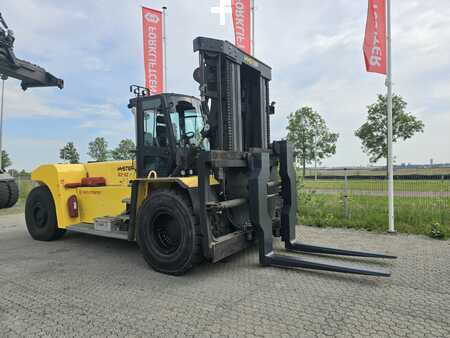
[{"x": 94, "y": 202}]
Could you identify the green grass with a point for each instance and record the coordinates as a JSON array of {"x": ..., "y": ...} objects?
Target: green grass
[
  {"x": 25, "y": 187},
  {"x": 379, "y": 185},
  {"x": 413, "y": 215}
]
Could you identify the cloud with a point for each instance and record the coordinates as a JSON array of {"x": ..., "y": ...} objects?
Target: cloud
[
  {"x": 318, "y": 62},
  {"x": 101, "y": 110},
  {"x": 28, "y": 104},
  {"x": 93, "y": 63},
  {"x": 107, "y": 120},
  {"x": 44, "y": 150},
  {"x": 314, "y": 48}
]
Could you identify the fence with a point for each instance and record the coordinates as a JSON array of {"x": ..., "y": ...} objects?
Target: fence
[
  {"x": 422, "y": 202},
  {"x": 25, "y": 185}
]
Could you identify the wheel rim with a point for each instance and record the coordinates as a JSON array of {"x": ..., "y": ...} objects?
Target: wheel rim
[
  {"x": 166, "y": 232},
  {"x": 40, "y": 214}
]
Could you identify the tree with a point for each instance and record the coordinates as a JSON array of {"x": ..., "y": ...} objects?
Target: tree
[
  {"x": 124, "y": 151},
  {"x": 69, "y": 153},
  {"x": 98, "y": 149},
  {"x": 310, "y": 137},
  {"x": 373, "y": 133},
  {"x": 6, "y": 161}
]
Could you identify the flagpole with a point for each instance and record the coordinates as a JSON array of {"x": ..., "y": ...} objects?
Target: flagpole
[
  {"x": 390, "y": 164},
  {"x": 253, "y": 27},
  {"x": 164, "y": 50}
]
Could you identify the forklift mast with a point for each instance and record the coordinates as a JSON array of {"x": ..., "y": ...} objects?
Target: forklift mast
[
  {"x": 234, "y": 90},
  {"x": 258, "y": 179}
]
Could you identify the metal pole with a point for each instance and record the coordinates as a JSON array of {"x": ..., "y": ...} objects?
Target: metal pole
[
  {"x": 315, "y": 159},
  {"x": 253, "y": 27},
  {"x": 164, "y": 50},
  {"x": 346, "y": 210},
  {"x": 315, "y": 168},
  {"x": 389, "y": 122},
  {"x": 3, "y": 77}
]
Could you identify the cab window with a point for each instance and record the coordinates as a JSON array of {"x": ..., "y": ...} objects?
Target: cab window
[
  {"x": 155, "y": 129},
  {"x": 187, "y": 124}
]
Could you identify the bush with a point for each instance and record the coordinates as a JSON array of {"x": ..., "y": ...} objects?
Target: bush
[{"x": 438, "y": 231}]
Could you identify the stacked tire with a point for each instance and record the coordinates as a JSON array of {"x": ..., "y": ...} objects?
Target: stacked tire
[{"x": 9, "y": 193}]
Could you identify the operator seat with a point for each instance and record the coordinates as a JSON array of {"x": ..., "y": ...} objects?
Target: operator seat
[{"x": 161, "y": 134}]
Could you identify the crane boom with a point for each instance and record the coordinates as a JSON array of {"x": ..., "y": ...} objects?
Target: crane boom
[{"x": 30, "y": 74}]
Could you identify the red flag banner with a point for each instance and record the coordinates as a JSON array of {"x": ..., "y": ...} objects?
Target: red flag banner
[
  {"x": 153, "y": 50},
  {"x": 241, "y": 10},
  {"x": 375, "y": 54}
]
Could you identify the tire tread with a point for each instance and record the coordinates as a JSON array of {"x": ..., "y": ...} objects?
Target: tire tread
[
  {"x": 52, "y": 232},
  {"x": 180, "y": 196},
  {"x": 4, "y": 194},
  {"x": 13, "y": 193}
]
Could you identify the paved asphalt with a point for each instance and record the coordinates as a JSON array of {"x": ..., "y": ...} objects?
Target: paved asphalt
[{"x": 88, "y": 286}]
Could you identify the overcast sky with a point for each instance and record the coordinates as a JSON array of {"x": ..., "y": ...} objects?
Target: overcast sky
[{"x": 313, "y": 47}]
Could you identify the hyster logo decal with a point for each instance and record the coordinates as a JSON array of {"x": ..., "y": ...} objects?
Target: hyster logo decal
[
  {"x": 125, "y": 168},
  {"x": 150, "y": 17},
  {"x": 125, "y": 171}
]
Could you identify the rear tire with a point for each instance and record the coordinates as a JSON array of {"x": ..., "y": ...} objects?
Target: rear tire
[
  {"x": 40, "y": 215},
  {"x": 168, "y": 233},
  {"x": 13, "y": 193},
  {"x": 4, "y": 194}
]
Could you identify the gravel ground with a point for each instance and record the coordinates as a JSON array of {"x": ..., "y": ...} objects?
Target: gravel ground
[{"x": 89, "y": 286}]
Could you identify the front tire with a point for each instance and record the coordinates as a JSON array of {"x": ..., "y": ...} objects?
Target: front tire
[
  {"x": 40, "y": 215},
  {"x": 168, "y": 234}
]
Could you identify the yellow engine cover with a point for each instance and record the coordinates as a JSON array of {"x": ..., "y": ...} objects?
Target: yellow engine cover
[
  {"x": 92, "y": 201},
  {"x": 64, "y": 181}
]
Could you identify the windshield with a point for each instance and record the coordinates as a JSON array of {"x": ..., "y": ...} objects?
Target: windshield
[{"x": 187, "y": 124}]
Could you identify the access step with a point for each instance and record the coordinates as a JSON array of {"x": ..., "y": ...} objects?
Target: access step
[{"x": 88, "y": 228}]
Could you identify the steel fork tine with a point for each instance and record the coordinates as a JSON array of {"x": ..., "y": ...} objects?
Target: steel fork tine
[
  {"x": 300, "y": 247},
  {"x": 293, "y": 262}
]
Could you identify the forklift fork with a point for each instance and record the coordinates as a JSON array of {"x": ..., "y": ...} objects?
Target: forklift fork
[{"x": 259, "y": 212}]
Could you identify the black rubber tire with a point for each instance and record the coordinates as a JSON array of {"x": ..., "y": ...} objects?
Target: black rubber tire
[
  {"x": 168, "y": 233},
  {"x": 4, "y": 194},
  {"x": 13, "y": 193},
  {"x": 40, "y": 215}
]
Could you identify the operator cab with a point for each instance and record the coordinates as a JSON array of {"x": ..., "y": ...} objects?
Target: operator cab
[{"x": 168, "y": 134}]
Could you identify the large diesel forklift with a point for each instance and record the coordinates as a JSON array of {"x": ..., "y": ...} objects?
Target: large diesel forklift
[
  {"x": 30, "y": 75},
  {"x": 206, "y": 181}
]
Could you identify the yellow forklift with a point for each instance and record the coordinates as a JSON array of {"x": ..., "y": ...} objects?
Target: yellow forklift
[{"x": 207, "y": 180}]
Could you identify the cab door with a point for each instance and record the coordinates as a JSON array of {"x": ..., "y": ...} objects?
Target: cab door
[{"x": 153, "y": 138}]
